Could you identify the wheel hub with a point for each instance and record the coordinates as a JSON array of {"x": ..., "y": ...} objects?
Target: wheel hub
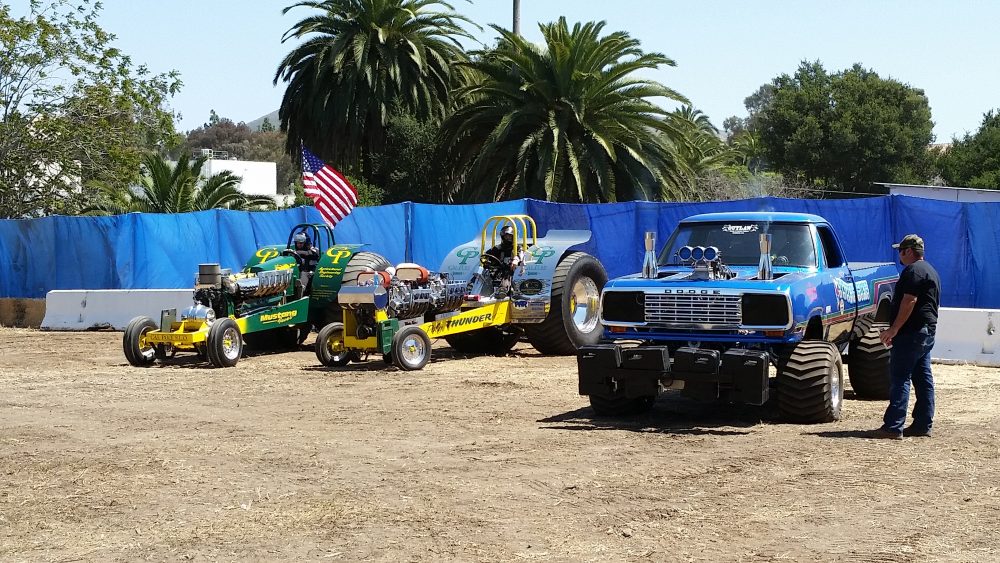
[{"x": 584, "y": 304}]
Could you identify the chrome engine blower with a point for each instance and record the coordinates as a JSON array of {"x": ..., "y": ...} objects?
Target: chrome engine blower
[
  {"x": 217, "y": 289},
  {"x": 409, "y": 292},
  {"x": 706, "y": 262}
]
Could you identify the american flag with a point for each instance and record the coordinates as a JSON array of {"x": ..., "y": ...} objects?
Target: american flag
[{"x": 333, "y": 194}]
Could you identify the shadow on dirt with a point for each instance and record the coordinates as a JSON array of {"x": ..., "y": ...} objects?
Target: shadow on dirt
[
  {"x": 841, "y": 434},
  {"x": 671, "y": 414}
]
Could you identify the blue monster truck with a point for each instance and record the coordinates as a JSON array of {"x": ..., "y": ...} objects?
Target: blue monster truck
[{"x": 731, "y": 294}]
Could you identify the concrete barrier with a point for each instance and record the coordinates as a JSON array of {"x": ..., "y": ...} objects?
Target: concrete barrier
[
  {"x": 108, "y": 308},
  {"x": 968, "y": 336}
]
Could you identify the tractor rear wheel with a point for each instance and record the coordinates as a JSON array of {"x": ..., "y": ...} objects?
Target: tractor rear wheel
[
  {"x": 137, "y": 351},
  {"x": 573, "y": 319},
  {"x": 411, "y": 348},
  {"x": 811, "y": 382},
  {"x": 225, "y": 343},
  {"x": 330, "y": 349},
  {"x": 489, "y": 340},
  {"x": 868, "y": 364}
]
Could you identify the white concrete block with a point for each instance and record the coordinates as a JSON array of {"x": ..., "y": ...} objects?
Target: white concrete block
[
  {"x": 109, "y": 308},
  {"x": 968, "y": 335}
]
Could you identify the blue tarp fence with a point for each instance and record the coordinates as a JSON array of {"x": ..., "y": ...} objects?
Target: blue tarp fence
[{"x": 144, "y": 251}]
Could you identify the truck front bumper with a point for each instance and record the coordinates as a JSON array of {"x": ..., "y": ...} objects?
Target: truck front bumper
[{"x": 612, "y": 370}]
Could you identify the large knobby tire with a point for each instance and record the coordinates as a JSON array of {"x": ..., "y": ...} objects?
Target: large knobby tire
[
  {"x": 136, "y": 351},
  {"x": 811, "y": 382},
  {"x": 573, "y": 318},
  {"x": 225, "y": 343},
  {"x": 868, "y": 364},
  {"x": 281, "y": 338},
  {"x": 620, "y": 406},
  {"x": 330, "y": 349},
  {"x": 489, "y": 340},
  {"x": 411, "y": 348}
]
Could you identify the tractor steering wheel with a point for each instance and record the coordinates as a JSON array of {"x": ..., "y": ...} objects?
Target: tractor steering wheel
[
  {"x": 491, "y": 262},
  {"x": 299, "y": 260}
]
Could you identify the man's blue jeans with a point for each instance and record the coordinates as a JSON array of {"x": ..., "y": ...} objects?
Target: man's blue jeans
[{"x": 910, "y": 359}]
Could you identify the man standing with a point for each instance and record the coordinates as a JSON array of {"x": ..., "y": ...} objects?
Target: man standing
[{"x": 911, "y": 335}]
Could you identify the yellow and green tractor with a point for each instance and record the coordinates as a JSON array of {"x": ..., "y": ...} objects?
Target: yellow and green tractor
[
  {"x": 479, "y": 301},
  {"x": 281, "y": 293}
]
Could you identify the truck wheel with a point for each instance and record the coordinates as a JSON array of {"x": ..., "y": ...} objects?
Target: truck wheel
[
  {"x": 137, "y": 352},
  {"x": 868, "y": 364},
  {"x": 573, "y": 318},
  {"x": 811, "y": 382},
  {"x": 330, "y": 346},
  {"x": 225, "y": 343},
  {"x": 411, "y": 348},
  {"x": 489, "y": 340},
  {"x": 620, "y": 406}
]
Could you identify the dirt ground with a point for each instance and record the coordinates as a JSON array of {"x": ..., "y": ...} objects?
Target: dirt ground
[{"x": 471, "y": 459}]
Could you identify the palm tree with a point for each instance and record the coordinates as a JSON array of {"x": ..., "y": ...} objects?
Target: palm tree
[
  {"x": 565, "y": 122},
  {"x": 180, "y": 188},
  {"x": 359, "y": 58},
  {"x": 704, "y": 151}
]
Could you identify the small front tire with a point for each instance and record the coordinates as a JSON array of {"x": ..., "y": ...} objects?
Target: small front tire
[
  {"x": 225, "y": 343},
  {"x": 411, "y": 348},
  {"x": 330, "y": 349},
  {"x": 137, "y": 352}
]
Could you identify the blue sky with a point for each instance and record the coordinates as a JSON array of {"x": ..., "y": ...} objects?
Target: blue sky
[{"x": 228, "y": 50}]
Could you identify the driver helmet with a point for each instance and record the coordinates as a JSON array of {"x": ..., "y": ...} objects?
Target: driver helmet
[
  {"x": 507, "y": 234},
  {"x": 301, "y": 241}
]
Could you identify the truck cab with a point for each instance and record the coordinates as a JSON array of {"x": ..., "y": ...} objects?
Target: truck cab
[{"x": 728, "y": 290}]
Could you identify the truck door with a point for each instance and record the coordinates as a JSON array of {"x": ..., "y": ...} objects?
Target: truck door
[{"x": 837, "y": 287}]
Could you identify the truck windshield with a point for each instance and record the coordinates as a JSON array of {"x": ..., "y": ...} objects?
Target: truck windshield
[{"x": 738, "y": 243}]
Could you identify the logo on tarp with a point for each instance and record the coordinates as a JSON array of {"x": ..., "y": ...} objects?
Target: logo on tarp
[
  {"x": 466, "y": 253},
  {"x": 266, "y": 254},
  {"x": 542, "y": 252},
  {"x": 337, "y": 253}
]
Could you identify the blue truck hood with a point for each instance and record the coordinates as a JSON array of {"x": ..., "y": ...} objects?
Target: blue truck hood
[{"x": 744, "y": 279}]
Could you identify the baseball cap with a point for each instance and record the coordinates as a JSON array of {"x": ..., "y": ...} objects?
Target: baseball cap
[{"x": 910, "y": 241}]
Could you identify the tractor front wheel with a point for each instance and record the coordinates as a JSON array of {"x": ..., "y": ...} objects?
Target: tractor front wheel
[
  {"x": 225, "y": 343},
  {"x": 411, "y": 348},
  {"x": 137, "y": 351}
]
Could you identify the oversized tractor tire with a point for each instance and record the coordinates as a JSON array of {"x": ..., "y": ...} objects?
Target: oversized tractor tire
[
  {"x": 573, "y": 319},
  {"x": 620, "y": 405},
  {"x": 868, "y": 364},
  {"x": 330, "y": 346},
  {"x": 224, "y": 344},
  {"x": 811, "y": 382},
  {"x": 137, "y": 352},
  {"x": 281, "y": 338},
  {"x": 489, "y": 340},
  {"x": 411, "y": 348}
]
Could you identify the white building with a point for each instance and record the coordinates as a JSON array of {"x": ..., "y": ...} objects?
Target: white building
[
  {"x": 258, "y": 178},
  {"x": 945, "y": 193}
]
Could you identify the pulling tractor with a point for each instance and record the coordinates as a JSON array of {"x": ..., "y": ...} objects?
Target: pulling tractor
[
  {"x": 478, "y": 303},
  {"x": 272, "y": 303}
]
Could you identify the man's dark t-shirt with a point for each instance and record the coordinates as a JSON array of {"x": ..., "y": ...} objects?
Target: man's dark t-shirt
[{"x": 921, "y": 280}]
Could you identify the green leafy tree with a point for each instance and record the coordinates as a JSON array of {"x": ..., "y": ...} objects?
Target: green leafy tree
[
  {"x": 176, "y": 188},
  {"x": 73, "y": 109},
  {"x": 848, "y": 129},
  {"x": 266, "y": 126},
  {"x": 974, "y": 160},
  {"x": 358, "y": 58},
  {"x": 568, "y": 121},
  {"x": 407, "y": 169}
]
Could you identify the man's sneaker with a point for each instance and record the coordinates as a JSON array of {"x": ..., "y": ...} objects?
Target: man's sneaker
[
  {"x": 911, "y": 432},
  {"x": 883, "y": 434}
]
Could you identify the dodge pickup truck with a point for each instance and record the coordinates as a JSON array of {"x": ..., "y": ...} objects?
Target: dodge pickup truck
[{"x": 730, "y": 295}]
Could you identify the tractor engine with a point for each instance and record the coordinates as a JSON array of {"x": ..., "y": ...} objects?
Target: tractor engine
[
  {"x": 247, "y": 293},
  {"x": 410, "y": 292}
]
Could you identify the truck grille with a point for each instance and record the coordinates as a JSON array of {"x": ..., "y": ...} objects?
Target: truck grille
[{"x": 720, "y": 311}]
